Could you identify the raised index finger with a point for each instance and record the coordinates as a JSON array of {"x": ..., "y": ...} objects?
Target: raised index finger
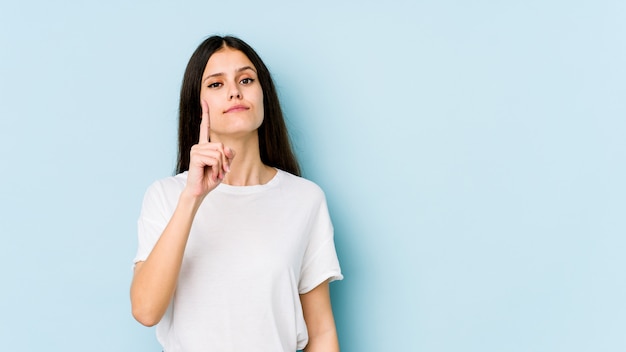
[{"x": 205, "y": 123}]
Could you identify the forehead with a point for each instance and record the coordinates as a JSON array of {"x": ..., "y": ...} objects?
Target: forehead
[{"x": 226, "y": 60}]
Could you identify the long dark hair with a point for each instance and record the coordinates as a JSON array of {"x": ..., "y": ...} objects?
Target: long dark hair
[{"x": 274, "y": 144}]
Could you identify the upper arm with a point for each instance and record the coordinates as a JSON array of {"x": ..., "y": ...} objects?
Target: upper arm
[
  {"x": 137, "y": 267},
  {"x": 318, "y": 314}
]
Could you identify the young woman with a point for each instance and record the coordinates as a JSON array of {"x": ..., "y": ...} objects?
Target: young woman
[{"x": 236, "y": 251}]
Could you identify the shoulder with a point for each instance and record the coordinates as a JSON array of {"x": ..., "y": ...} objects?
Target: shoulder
[
  {"x": 300, "y": 186},
  {"x": 168, "y": 186}
]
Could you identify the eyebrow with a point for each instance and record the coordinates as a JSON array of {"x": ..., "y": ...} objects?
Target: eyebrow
[{"x": 222, "y": 73}]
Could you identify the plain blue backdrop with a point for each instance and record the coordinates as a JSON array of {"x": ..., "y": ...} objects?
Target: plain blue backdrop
[{"x": 473, "y": 155}]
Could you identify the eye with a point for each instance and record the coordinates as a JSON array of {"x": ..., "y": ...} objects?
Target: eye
[
  {"x": 214, "y": 85},
  {"x": 246, "y": 81}
]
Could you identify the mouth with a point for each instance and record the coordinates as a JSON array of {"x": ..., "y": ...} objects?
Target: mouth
[{"x": 236, "y": 108}]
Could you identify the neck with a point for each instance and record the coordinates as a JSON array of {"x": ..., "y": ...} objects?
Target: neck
[{"x": 246, "y": 169}]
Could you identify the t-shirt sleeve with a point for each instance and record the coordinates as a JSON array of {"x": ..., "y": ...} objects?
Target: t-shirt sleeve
[
  {"x": 320, "y": 258},
  {"x": 152, "y": 221}
]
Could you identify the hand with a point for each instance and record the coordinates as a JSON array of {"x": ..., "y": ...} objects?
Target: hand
[{"x": 208, "y": 162}]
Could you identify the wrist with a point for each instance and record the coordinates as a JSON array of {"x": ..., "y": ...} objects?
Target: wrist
[{"x": 190, "y": 201}]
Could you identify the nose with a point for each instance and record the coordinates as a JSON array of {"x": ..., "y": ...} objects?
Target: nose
[{"x": 234, "y": 92}]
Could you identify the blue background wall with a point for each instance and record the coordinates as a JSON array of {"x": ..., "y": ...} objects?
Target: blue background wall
[{"x": 473, "y": 155}]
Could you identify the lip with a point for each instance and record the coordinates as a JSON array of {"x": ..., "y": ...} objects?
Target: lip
[{"x": 236, "y": 108}]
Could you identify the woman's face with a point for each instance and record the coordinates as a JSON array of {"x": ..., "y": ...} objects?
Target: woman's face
[{"x": 232, "y": 91}]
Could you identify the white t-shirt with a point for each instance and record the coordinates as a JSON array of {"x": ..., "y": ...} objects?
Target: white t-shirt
[{"x": 251, "y": 251}]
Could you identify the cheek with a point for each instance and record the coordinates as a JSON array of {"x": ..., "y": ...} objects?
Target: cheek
[
  {"x": 212, "y": 102},
  {"x": 260, "y": 110},
  {"x": 259, "y": 103}
]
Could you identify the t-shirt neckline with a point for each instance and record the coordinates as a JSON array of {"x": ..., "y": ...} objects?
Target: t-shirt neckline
[{"x": 222, "y": 187}]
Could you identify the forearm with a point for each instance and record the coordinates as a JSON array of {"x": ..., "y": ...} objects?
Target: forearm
[
  {"x": 155, "y": 279},
  {"x": 324, "y": 342}
]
